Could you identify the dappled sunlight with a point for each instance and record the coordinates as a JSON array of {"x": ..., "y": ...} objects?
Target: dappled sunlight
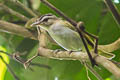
[
  {"x": 116, "y": 1},
  {"x": 3, "y": 67}
]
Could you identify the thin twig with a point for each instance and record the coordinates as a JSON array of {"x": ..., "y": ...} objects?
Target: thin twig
[
  {"x": 12, "y": 12},
  {"x": 114, "y": 11},
  {"x": 9, "y": 68},
  {"x": 18, "y": 3},
  {"x": 94, "y": 72},
  {"x": 59, "y": 12},
  {"x": 87, "y": 72}
]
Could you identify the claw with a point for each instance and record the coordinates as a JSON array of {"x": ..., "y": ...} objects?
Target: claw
[
  {"x": 71, "y": 51},
  {"x": 56, "y": 51}
]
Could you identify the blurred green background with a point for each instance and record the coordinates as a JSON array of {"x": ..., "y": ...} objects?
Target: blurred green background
[{"x": 98, "y": 20}]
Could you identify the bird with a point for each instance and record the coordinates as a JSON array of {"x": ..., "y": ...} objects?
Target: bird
[{"x": 64, "y": 34}]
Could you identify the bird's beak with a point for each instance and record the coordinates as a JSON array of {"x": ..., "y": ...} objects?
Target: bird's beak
[{"x": 35, "y": 23}]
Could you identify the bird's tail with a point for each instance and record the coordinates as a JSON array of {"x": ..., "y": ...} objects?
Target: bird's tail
[{"x": 101, "y": 52}]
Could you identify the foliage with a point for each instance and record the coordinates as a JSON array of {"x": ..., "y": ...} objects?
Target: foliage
[
  {"x": 98, "y": 20},
  {"x": 3, "y": 67}
]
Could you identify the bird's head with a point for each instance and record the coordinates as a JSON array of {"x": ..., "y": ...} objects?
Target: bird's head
[{"x": 45, "y": 20}]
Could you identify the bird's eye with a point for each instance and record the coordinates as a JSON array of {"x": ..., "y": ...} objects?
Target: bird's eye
[{"x": 45, "y": 20}]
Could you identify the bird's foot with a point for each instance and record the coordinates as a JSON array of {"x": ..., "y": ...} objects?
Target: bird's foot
[
  {"x": 70, "y": 52},
  {"x": 56, "y": 51}
]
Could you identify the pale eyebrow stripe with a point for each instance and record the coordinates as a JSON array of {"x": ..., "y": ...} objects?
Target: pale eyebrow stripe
[{"x": 41, "y": 17}]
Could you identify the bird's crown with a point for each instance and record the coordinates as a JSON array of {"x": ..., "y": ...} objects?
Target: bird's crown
[{"x": 44, "y": 19}]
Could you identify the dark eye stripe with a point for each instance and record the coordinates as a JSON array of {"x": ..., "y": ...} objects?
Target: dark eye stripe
[
  {"x": 41, "y": 18},
  {"x": 45, "y": 18}
]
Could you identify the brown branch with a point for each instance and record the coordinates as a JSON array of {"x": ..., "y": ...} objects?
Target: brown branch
[
  {"x": 19, "y": 30},
  {"x": 65, "y": 55},
  {"x": 111, "y": 47},
  {"x": 16, "y": 29},
  {"x": 12, "y": 12},
  {"x": 111, "y": 67},
  {"x": 18, "y": 3},
  {"x": 114, "y": 11}
]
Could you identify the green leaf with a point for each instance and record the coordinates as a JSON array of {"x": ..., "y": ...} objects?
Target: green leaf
[{"x": 3, "y": 67}]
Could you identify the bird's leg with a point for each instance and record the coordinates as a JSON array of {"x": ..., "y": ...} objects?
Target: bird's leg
[{"x": 81, "y": 27}]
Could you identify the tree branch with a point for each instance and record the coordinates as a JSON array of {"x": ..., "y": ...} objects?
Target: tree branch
[
  {"x": 19, "y": 30},
  {"x": 12, "y": 12},
  {"x": 16, "y": 29},
  {"x": 18, "y": 3},
  {"x": 111, "y": 47},
  {"x": 65, "y": 55}
]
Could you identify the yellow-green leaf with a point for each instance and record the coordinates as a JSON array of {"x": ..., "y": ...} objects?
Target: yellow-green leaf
[{"x": 3, "y": 67}]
